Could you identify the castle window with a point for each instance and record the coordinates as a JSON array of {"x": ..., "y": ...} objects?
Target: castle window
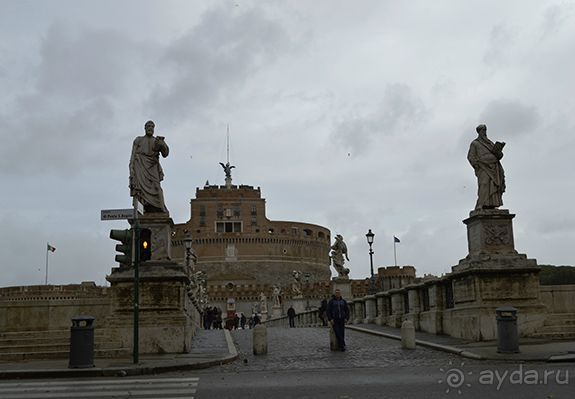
[
  {"x": 228, "y": 227},
  {"x": 271, "y": 231},
  {"x": 237, "y": 212},
  {"x": 254, "y": 210},
  {"x": 320, "y": 234},
  {"x": 307, "y": 232},
  {"x": 220, "y": 212}
]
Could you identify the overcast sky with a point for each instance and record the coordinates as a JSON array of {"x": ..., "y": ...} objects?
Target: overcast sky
[{"x": 353, "y": 115}]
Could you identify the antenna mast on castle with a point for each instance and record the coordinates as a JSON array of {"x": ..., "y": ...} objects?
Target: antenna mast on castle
[{"x": 228, "y": 147}]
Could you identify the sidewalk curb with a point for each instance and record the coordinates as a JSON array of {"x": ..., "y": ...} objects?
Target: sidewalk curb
[
  {"x": 119, "y": 371},
  {"x": 445, "y": 348},
  {"x": 570, "y": 357}
]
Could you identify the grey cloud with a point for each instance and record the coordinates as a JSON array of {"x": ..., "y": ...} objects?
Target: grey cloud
[
  {"x": 216, "y": 57},
  {"x": 555, "y": 17},
  {"x": 58, "y": 141},
  {"x": 399, "y": 109},
  {"x": 510, "y": 117},
  {"x": 501, "y": 38},
  {"x": 86, "y": 64}
]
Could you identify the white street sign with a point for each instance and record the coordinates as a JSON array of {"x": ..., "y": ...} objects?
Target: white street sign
[{"x": 116, "y": 214}]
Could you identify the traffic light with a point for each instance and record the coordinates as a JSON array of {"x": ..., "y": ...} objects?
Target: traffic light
[
  {"x": 145, "y": 244},
  {"x": 125, "y": 237}
]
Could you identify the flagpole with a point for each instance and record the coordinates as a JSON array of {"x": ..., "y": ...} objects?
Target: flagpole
[{"x": 46, "y": 280}]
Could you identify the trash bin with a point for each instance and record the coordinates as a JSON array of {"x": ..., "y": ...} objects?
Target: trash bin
[
  {"x": 507, "y": 336},
  {"x": 82, "y": 342}
]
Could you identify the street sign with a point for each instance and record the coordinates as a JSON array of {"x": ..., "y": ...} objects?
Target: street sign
[{"x": 116, "y": 214}]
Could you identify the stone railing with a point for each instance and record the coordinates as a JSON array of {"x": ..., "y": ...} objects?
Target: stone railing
[
  {"x": 558, "y": 298},
  {"x": 308, "y": 318}
]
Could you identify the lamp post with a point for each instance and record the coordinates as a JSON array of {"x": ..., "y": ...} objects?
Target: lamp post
[
  {"x": 369, "y": 237},
  {"x": 188, "y": 244}
]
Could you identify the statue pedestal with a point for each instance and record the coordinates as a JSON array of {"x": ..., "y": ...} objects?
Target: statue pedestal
[
  {"x": 299, "y": 304},
  {"x": 161, "y": 226},
  {"x": 344, "y": 285},
  {"x": 493, "y": 274},
  {"x": 167, "y": 317},
  {"x": 276, "y": 312}
]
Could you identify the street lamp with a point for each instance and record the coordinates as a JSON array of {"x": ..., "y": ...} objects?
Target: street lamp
[
  {"x": 369, "y": 237},
  {"x": 188, "y": 244}
]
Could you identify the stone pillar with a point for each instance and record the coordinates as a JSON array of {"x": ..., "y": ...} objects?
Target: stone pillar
[
  {"x": 431, "y": 319},
  {"x": 370, "y": 309},
  {"x": 380, "y": 318},
  {"x": 358, "y": 311},
  {"x": 414, "y": 308},
  {"x": 397, "y": 310}
]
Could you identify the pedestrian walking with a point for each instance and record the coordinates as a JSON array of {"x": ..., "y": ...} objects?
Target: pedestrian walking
[
  {"x": 291, "y": 316},
  {"x": 338, "y": 315}
]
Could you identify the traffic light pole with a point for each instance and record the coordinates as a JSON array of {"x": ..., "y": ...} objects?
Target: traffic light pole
[{"x": 136, "y": 249}]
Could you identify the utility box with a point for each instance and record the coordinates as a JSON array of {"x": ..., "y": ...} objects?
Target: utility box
[
  {"x": 507, "y": 335},
  {"x": 82, "y": 342}
]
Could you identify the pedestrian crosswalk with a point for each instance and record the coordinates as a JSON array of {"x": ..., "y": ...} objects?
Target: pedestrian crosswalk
[{"x": 119, "y": 388}]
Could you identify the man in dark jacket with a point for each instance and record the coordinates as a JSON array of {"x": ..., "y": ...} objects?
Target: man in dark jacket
[
  {"x": 338, "y": 315},
  {"x": 291, "y": 316}
]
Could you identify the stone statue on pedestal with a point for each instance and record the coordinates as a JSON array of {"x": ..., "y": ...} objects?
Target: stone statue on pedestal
[
  {"x": 484, "y": 156},
  {"x": 338, "y": 251},
  {"x": 263, "y": 302},
  {"x": 296, "y": 284},
  {"x": 276, "y": 296},
  {"x": 145, "y": 170}
]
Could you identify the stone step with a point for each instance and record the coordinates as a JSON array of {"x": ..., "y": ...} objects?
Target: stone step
[
  {"x": 52, "y": 347},
  {"x": 560, "y": 319},
  {"x": 104, "y": 353},
  {"x": 554, "y": 335},
  {"x": 55, "y": 334},
  {"x": 557, "y": 328}
]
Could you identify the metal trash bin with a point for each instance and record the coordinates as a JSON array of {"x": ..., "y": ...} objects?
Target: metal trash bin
[
  {"x": 507, "y": 335},
  {"x": 82, "y": 342}
]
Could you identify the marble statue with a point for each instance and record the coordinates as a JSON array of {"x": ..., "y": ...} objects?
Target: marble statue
[
  {"x": 338, "y": 252},
  {"x": 227, "y": 169},
  {"x": 145, "y": 170},
  {"x": 276, "y": 296},
  {"x": 296, "y": 284},
  {"x": 263, "y": 302},
  {"x": 484, "y": 156}
]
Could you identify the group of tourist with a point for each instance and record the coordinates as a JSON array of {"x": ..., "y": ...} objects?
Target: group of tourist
[{"x": 212, "y": 318}]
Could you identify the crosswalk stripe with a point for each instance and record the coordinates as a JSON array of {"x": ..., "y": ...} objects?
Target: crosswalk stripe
[
  {"x": 108, "y": 381},
  {"x": 165, "y": 388}
]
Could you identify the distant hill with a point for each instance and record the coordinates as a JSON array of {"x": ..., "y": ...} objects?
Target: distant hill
[{"x": 556, "y": 275}]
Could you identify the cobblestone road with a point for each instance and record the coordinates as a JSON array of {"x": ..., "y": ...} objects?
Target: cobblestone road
[{"x": 308, "y": 348}]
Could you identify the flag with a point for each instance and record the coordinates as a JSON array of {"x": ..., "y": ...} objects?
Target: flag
[
  {"x": 395, "y": 239},
  {"x": 51, "y": 248}
]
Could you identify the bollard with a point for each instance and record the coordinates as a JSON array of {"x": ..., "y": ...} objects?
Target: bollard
[
  {"x": 260, "y": 340},
  {"x": 407, "y": 335},
  {"x": 332, "y": 340}
]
